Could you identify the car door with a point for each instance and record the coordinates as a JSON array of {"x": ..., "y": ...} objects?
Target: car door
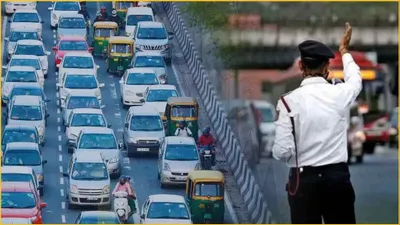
[
  {"x": 69, "y": 171},
  {"x": 145, "y": 208},
  {"x": 35, "y": 181},
  {"x": 122, "y": 83},
  {"x": 125, "y": 134},
  {"x": 161, "y": 156}
]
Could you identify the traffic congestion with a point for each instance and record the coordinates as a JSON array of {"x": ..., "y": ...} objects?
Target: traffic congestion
[{"x": 96, "y": 127}]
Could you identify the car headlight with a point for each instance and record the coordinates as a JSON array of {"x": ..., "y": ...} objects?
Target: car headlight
[
  {"x": 166, "y": 167},
  {"x": 6, "y": 90},
  {"x": 129, "y": 93},
  {"x": 133, "y": 140},
  {"x": 114, "y": 160},
  {"x": 39, "y": 177},
  {"x": 73, "y": 189},
  {"x": 41, "y": 129},
  {"x": 160, "y": 140},
  {"x": 54, "y": 16},
  {"x": 198, "y": 166},
  {"x": 106, "y": 189}
]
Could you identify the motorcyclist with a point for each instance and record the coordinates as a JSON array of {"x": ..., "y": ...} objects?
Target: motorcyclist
[
  {"x": 122, "y": 185},
  {"x": 183, "y": 131},
  {"x": 206, "y": 140},
  {"x": 115, "y": 18},
  {"x": 104, "y": 13},
  {"x": 132, "y": 198},
  {"x": 99, "y": 17},
  {"x": 84, "y": 12}
]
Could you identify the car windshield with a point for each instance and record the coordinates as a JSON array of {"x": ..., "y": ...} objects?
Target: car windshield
[
  {"x": 168, "y": 210},
  {"x": 394, "y": 119},
  {"x": 22, "y": 158},
  {"x": 152, "y": 33},
  {"x": 97, "y": 141},
  {"x": 146, "y": 123},
  {"x": 104, "y": 32},
  {"x": 88, "y": 120},
  {"x": 17, "y": 177},
  {"x": 121, "y": 48},
  {"x": 26, "y": 112},
  {"x": 26, "y": 18},
  {"x": 267, "y": 115},
  {"x": 35, "y": 63},
  {"x": 83, "y": 102},
  {"x": 17, "y": 35},
  {"x": 142, "y": 79},
  {"x": 17, "y": 200},
  {"x": 89, "y": 171},
  {"x": 99, "y": 220},
  {"x": 160, "y": 95},
  {"x": 73, "y": 46},
  {"x": 19, "y": 135},
  {"x": 30, "y": 50},
  {"x": 26, "y": 91},
  {"x": 133, "y": 20},
  {"x": 181, "y": 152},
  {"x": 66, "y": 6},
  {"x": 209, "y": 189},
  {"x": 72, "y": 23},
  {"x": 149, "y": 61},
  {"x": 21, "y": 76},
  {"x": 79, "y": 62},
  {"x": 125, "y": 5},
  {"x": 80, "y": 82},
  {"x": 184, "y": 111}
]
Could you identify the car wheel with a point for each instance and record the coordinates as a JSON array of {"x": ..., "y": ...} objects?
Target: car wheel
[
  {"x": 162, "y": 186},
  {"x": 41, "y": 191},
  {"x": 158, "y": 176},
  {"x": 360, "y": 159},
  {"x": 369, "y": 147}
]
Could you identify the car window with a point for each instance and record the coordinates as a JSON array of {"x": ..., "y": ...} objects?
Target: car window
[
  {"x": 181, "y": 152},
  {"x": 167, "y": 210},
  {"x": 24, "y": 112},
  {"x": 80, "y": 62},
  {"x": 76, "y": 102},
  {"x": 87, "y": 119},
  {"x": 16, "y": 91},
  {"x": 26, "y": 18},
  {"x": 72, "y": 23},
  {"x": 19, "y": 35},
  {"x": 22, "y": 158},
  {"x": 21, "y": 76},
  {"x": 152, "y": 33},
  {"x": 80, "y": 82},
  {"x": 35, "y": 63},
  {"x": 89, "y": 171},
  {"x": 142, "y": 79},
  {"x": 37, "y": 50},
  {"x": 18, "y": 200},
  {"x": 17, "y": 177},
  {"x": 146, "y": 123},
  {"x": 66, "y": 6},
  {"x": 149, "y": 61},
  {"x": 104, "y": 32},
  {"x": 121, "y": 48},
  {"x": 19, "y": 135},
  {"x": 97, "y": 141},
  {"x": 73, "y": 46},
  {"x": 133, "y": 20},
  {"x": 160, "y": 95}
]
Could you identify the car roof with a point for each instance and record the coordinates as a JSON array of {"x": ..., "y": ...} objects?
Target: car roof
[
  {"x": 16, "y": 169},
  {"x": 262, "y": 104},
  {"x": 88, "y": 156},
  {"x": 22, "y": 145},
  {"x": 166, "y": 198},
  {"x": 175, "y": 140},
  {"x": 148, "y": 53},
  {"x": 81, "y": 93},
  {"x": 71, "y": 15},
  {"x": 151, "y": 24},
  {"x": 97, "y": 130},
  {"x": 98, "y": 214},
  {"x": 144, "y": 111},
  {"x": 26, "y": 11},
  {"x": 22, "y": 68},
  {"x": 19, "y": 127},
  {"x": 29, "y": 42},
  {"x": 135, "y": 10},
  {"x": 141, "y": 70},
  {"x": 24, "y": 57},
  {"x": 72, "y": 38},
  {"x": 162, "y": 87},
  {"x": 30, "y": 85},
  {"x": 87, "y": 110},
  {"x": 77, "y": 53},
  {"x": 78, "y": 72},
  {"x": 29, "y": 100},
  {"x": 16, "y": 186}
]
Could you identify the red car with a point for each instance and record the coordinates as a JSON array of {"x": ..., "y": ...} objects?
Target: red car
[
  {"x": 70, "y": 44},
  {"x": 21, "y": 200},
  {"x": 376, "y": 132}
]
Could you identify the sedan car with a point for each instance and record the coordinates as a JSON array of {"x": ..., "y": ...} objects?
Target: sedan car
[
  {"x": 79, "y": 100},
  {"x": 33, "y": 47},
  {"x": 71, "y": 24},
  {"x": 69, "y": 44},
  {"x": 28, "y": 60},
  {"x": 33, "y": 89},
  {"x": 17, "y": 34},
  {"x": 165, "y": 209},
  {"x": 177, "y": 157},
  {"x": 97, "y": 217},
  {"x": 10, "y": 7},
  {"x": 60, "y": 8},
  {"x": 27, "y": 18},
  {"x": 134, "y": 83},
  {"x": 156, "y": 96},
  {"x": 19, "y": 133},
  {"x": 77, "y": 62},
  {"x": 151, "y": 60}
]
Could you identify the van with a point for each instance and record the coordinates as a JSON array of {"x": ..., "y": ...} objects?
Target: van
[
  {"x": 136, "y": 15},
  {"x": 88, "y": 181}
]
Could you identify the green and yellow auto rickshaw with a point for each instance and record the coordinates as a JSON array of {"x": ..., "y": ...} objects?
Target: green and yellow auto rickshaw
[
  {"x": 120, "y": 54},
  {"x": 181, "y": 109},
  {"x": 122, "y": 8},
  {"x": 205, "y": 196},
  {"x": 102, "y": 31}
]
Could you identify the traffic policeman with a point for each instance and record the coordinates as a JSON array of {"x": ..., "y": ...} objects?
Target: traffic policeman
[{"x": 311, "y": 137}]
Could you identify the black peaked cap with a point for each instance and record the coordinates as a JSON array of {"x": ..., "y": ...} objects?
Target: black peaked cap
[{"x": 315, "y": 49}]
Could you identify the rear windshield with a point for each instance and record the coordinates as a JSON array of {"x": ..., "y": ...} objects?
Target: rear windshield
[
  {"x": 66, "y": 6},
  {"x": 35, "y": 63}
]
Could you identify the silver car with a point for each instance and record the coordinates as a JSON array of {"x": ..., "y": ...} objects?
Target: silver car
[
  {"x": 71, "y": 24},
  {"x": 151, "y": 60},
  {"x": 17, "y": 34}
]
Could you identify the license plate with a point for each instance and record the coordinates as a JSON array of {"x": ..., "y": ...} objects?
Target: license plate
[
  {"x": 374, "y": 133},
  {"x": 143, "y": 149},
  {"x": 100, "y": 43},
  {"x": 120, "y": 68},
  {"x": 92, "y": 199},
  {"x": 116, "y": 60},
  {"x": 181, "y": 178}
]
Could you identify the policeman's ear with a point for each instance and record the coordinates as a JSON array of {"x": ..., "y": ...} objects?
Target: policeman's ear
[{"x": 301, "y": 65}]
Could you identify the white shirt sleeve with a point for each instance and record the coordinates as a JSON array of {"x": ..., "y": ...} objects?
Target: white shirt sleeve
[
  {"x": 189, "y": 132},
  {"x": 177, "y": 131},
  {"x": 284, "y": 147},
  {"x": 352, "y": 86}
]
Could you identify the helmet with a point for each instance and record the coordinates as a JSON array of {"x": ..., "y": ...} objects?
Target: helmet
[
  {"x": 181, "y": 122},
  {"x": 122, "y": 178},
  {"x": 103, "y": 9},
  {"x": 206, "y": 130},
  {"x": 127, "y": 177},
  {"x": 114, "y": 13}
]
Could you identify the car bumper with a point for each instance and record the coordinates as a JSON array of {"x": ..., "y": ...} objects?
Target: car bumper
[
  {"x": 132, "y": 100},
  {"x": 11, "y": 8},
  {"x": 167, "y": 54},
  {"x": 114, "y": 168},
  {"x": 167, "y": 178},
  {"x": 143, "y": 148},
  {"x": 77, "y": 199}
]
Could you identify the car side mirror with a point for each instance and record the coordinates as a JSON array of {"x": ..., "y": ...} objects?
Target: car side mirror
[
  {"x": 162, "y": 82},
  {"x": 109, "y": 125},
  {"x": 66, "y": 124},
  {"x": 43, "y": 205},
  {"x": 130, "y": 67},
  {"x": 142, "y": 216},
  {"x": 48, "y": 100},
  {"x": 44, "y": 161},
  {"x": 142, "y": 100},
  {"x": 50, "y": 8},
  {"x": 4, "y": 114},
  {"x": 170, "y": 33},
  {"x": 120, "y": 145},
  {"x": 97, "y": 66},
  {"x": 170, "y": 37},
  {"x": 126, "y": 125},
  {"x": 59, "y": 85},
  {"x": 54, "y": 48},
  {"x": 7, "y": 39},
  {"x": 40, "y": 187},
  {"x": 65, "y": 175},
  {"x": 102, "y": 85},
  {"x": 4, "y": 67},
  {"x": 48, "y": 53},
  {"x": 102, "y": 106},
  {"x": 63, "y": 106},
  {"x": 121, "y": 81},
  {"x": 42, "y": 21}
]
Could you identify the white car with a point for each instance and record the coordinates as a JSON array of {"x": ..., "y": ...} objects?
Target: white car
[
  {"x": 10, "y": 220},
  {"x": 60, "y": 8},
  {"x": 135, "y": 15},
  {"x": 156, "y": 96},
  {"x": 177, "y": 157},
  {"x": 165, "y": 209},
  {"x": 10, "y": 7},
  {"x": 27, "y": 60},
  {"x": 33, "y": 47},
  {"x": 151, "y": 60},
  {"x": 27, "y": 19},
  {"x": 79, "y": 100},
  {"x": 267, "y": 125},
  {"x": 82, "y": 62},
  {"x": 18, "y": 75},
  {"x": 17, "y": 34},
  {"x": 134, "y": 83},
  {"x": 84, "y": 82},
  {"x": 71, "y": 25}
]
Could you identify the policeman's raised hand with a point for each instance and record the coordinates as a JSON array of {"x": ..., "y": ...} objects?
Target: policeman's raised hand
[{"x": 344, "y": 43}]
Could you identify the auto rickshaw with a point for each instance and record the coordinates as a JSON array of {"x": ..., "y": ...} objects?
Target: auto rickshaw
[
  {"x": 122, "y": 8},
  {"x": 120, "y": 54},
  {"x": 205, "y": 196},
  {"x": 181, "y": 109},
  {"x": 102, "y": 31}
]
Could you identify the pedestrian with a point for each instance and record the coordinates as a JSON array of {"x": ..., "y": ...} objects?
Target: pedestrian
[{"x": 311, "y": 137}]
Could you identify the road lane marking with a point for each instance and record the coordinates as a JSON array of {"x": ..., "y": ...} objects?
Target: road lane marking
[
  {"x": 59, "y": 137},
  {"x": 61, "y": 169},
  {"x": 57, "y": 94},
  {"x": 113, "y": 91},
  {"x": 62, "y": 205},
  {"x": 61, "y": 180},
  {"x": 59, "y": 128},
  {"x": 58, "y": 111},
  {"x": 54, "y": 31},
  {"x": 60, "y": 158},
  {"x": 63, "y": 219},
  {"x": 58, "y": 103},
  {"x": 59, "y": 148},
  {"x": 58, "y": 119},
  {"x": 120, "y": 130},
  {"x": 55, "y": 42},
  {"x": 117, "y": 114},
  {"x": 126, "y": 160},
  {"x": 62, "y": 192},
  {"x": 54, "y": 36}
]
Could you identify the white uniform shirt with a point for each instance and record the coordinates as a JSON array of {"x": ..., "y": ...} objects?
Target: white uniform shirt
[
  {"x": 185, "y": 132},
  {"x": 320, "y": 111}
]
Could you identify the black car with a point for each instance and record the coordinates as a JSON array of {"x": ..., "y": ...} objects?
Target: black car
[{"x": 97, "y": 217}]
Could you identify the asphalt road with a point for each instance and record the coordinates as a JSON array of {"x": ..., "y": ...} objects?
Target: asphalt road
[{"x": 142, "y": 170}]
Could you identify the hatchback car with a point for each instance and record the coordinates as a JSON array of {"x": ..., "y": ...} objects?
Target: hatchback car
[
  {"x": 136, "y": 15},
  {"x": 104, "y": 141},
  {"x": 69, "y": 44},
  {"x": 156, "y": 96},
  {"x": 20, "y": 200},
  {"x": 27, "y": 60},
  {"x": 71, "y": 24},
  {"x": 27, "y": 18},
  {"x": 177, "y": 157},
  {"x": 134, "y": 83},
  {"x": 79, "y": 100},
  {"x": 77, "y": 62},
  {"x": 17, "y": 34},
  {"x": 151, "y": 60},
  {"x": 60, "y": 8},
  {"x": 97, "y": 217},
  {"x": 19, "y": 133},
  {"x": 21, "y": 174},
  {"x": 33, "y": 89},
  {"x": 10, "y": 7},
  {"x": 33, "y": 47}
]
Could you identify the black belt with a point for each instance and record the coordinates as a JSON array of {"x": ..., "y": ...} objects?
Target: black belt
[{"x": 321, "y": 169}]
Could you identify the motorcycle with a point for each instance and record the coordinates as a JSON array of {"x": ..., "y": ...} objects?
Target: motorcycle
[
  {"x": 207, "y": 157},
  {"x": 121, "y": 206}
]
